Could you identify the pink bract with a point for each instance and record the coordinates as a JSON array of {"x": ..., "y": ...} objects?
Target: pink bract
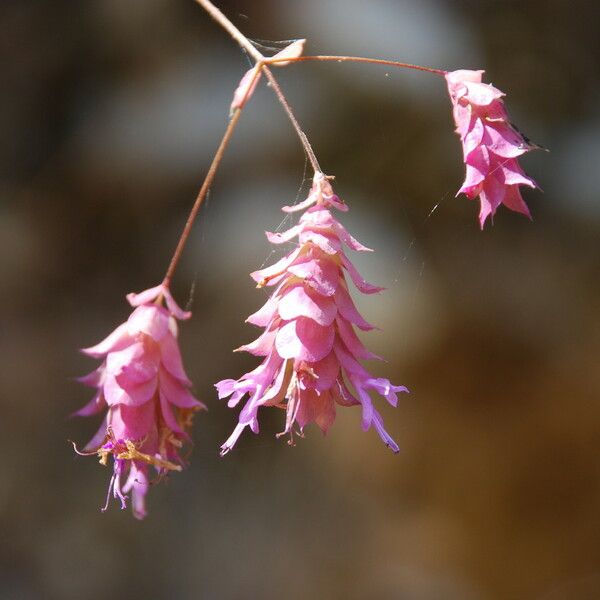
[
  {"x": 491, "y": 145},
  {"x": 311, "y": 351},
  {"x": 143, "y": 387}
]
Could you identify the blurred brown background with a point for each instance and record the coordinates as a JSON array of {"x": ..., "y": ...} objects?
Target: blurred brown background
[{"x": 109, "y": 114}]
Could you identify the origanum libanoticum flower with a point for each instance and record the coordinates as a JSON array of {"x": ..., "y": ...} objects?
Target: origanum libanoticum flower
[
  {"x": 144, "y": 389},
  {"x": 311, "y": 351},
  {"x": 490, "y": 144}
]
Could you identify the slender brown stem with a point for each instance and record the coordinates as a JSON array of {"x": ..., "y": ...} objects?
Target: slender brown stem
[
  {"x": 201, "y": 196},
  {"x": 283, "y": 101},
  {"x": 360, "y": 59},
  {"x": 231, "y": 29},
  {"x": 246, "y": 44}
]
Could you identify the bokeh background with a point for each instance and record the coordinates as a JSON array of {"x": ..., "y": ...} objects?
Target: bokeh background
[{"x": 109, "y": 114}]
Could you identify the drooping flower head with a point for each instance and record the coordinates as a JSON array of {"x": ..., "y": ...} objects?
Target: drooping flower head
[
  {"x": 142, "y": 386},
  {"x": 491, "y": 145},
  {"x": 310, "y": 348}
]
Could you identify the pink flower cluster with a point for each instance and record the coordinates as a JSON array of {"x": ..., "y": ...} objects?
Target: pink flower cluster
[
  {"x": 311, "y": 351},
  {"x": 490, "y": 144},
  {"x": 144, "y": 389}
]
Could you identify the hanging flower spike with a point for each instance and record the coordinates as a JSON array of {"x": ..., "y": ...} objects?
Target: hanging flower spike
[
  {"x": 144, "y": 389},
  {"x": 490, "y": 143},
  {"x": 310, "y": 347}
]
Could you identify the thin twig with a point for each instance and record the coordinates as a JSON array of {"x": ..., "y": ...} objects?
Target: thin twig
[
  {"x": 359, "y": 59},
  {"x": 247, "y": 45},
  {"x": 201, "y": 196}
]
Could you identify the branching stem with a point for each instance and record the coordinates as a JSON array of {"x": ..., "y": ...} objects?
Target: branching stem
[
  {"x": 359, "y": 59},
  {"x": 261, "y": 60}
]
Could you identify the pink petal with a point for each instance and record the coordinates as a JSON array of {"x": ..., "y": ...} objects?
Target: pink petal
[
  {"x": 285, "y": 236},
  {"x": 99, "y": 437},
  {"x": 168, "y": 416},
  {"x": 350, "y": 339},
  {"x": 276, "y": 392},
  {"x": 133, "y": 396},
  {"x": 132, "y": 365},
  {"x": 343, "y": 396},
  {"x": 170, "y": 358},
  {"x": 320, "y": 273},
  {"x": 263, "y": 316},
  {"x": 312, "y": 198},
  {"x": 117, "y": 340},
  {"x": 365, "y": 401},
  {"x": 514, "y": 200},
  {"x": 139, "y": 484},
  {"x": 482, "y": 94},
  {"x": 301, "y": 302},
  {"x": 318, "y": 217},
  {"x": 245, "y": 88},
  {"x": 225, "y": 388},
  {"x": 383, "y": 434},
  {"x": 327, "y": 371},
  {"x": 359, "y": 282},
  {"x": 294, "y": 50},
  {"x": 261, "y": 346},
  {"x": 474, "y": 138},
  {"x": 177, "y": 394},
  {"x": 303, "y": 339},
  {"x": 514, "y": 175},
  {"x": 233, "y": 438},
  {"x": 503, "y": 140},
  {"x": 262, "y": 276},
  {"x": 324, "y": 412},
  {"x": 348, "y": 311},
  {"x": 494, "y": 189},
  {"x": 93, "y": 379},
  {"x": 133, "y": 422},
  {"x": 146, "y": 296},
  {"x": 318, "y": 408},
  {"x": 327, "y": 242},
  {"x": 348, "y": 362},
  {"x": 93, "y": 407},
  {"x": 350, "y": 241},
  {"x": 464, "y": 119},
  {"x": 174, "y": 308},
  {"x": 461, "y": 75},
  {"x": 384, "y": 388},
  {"x": 150, "y": 320}
]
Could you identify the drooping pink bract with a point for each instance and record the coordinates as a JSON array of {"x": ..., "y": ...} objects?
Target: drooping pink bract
[
  {"x": 143, "y": 387},
  {"x": 491, "y": 145},
  {"x": 309, "y": 345}
]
